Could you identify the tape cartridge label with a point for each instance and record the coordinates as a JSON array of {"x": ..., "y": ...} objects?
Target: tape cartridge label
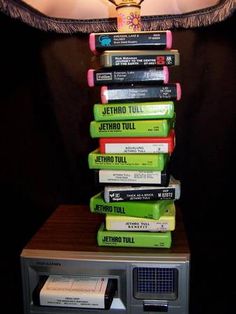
[
  {"x": 138, "y": 145},
  {"x": 164, "y": 223},
  {"x": 137, "y": 58},
  {"x": 145, "y": 209},
  {"x": 96, "y": 160},
  {"x": 132, "y": 128},
  {"x": 133, "y": 111},
  {"x": 145, "y": 75},
  {"x": 133, "y": 238},
  {"x": 133, "y": 177},
  {"x": 138, "y": 40},
  {"x": 142, "y": 193},
  {"x": 114, "y": 94},
  {"x": 74, "y": 291}
]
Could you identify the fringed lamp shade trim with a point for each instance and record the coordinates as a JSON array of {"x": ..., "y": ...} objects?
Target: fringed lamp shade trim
[{"x": 25, "y": 13}]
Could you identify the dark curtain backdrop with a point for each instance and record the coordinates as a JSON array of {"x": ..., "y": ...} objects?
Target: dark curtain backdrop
[{"x": 45, "y": 111}]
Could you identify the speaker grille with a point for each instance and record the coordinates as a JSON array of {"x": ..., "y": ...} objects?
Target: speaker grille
[{"x": 155, "y": 283}]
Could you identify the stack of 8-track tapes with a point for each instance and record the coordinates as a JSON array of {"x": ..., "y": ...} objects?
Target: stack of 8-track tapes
[{"x": 134, "y": 123}]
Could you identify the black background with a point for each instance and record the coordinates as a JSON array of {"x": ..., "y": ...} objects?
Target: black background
[{"x": 45, "y": 111}]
